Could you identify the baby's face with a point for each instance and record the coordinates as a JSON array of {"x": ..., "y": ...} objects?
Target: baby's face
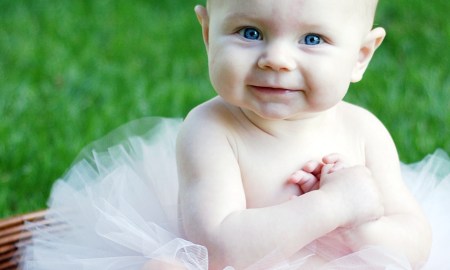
[{"x": 285, "y": 58}]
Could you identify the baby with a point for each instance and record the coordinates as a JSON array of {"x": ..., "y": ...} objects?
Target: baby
[{"x": 278, "y": 161}]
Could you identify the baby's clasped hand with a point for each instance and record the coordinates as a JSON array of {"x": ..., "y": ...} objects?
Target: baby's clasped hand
[
  {"x": 355, "y": 194},
  {"x": 308, "y": 177},
  {"x": 353, "y": 188}
]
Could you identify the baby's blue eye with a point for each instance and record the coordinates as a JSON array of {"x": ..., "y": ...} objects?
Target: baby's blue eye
[
  {"x": 312, "y": 39},
  {"x": 250, "y": 33}
]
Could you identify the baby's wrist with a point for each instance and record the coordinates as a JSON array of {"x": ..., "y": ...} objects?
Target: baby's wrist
[{"x": 340, "y": 215}]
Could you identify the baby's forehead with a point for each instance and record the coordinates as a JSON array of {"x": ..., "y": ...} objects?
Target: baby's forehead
[
  {"x": 362, "y": 9},
  {"x": 370, "y": 5}
]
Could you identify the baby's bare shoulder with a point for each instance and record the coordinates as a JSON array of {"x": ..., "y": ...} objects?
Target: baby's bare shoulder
[
  {"x": 208, "y": 115},
  {"x": 356, "y": 117},
  {"x": 356, "y": 112},
  {"x": 208, "y": 125}
]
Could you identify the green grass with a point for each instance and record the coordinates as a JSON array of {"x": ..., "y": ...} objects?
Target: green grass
[
  {"x": 70, "y": 71},
  {"x": 408, "y": 83}
]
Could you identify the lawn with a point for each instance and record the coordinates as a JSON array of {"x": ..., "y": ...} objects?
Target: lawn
[{"x": 71, "y": 71}]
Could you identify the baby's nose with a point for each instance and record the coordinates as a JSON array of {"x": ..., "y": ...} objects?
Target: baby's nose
[{"x": 278, "y": 57}]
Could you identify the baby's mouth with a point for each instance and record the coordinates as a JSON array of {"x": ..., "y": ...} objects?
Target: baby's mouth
[{"x": 272, "y": 89}]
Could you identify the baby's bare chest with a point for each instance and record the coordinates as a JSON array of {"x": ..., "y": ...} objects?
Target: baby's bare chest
[{"x": 267, "y": 165}]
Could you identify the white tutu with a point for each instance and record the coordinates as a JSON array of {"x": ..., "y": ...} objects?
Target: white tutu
[{"x": 118, "y": 207}]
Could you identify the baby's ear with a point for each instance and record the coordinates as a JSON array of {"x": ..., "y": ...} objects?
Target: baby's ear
[
  {"x": 371, "y": 43},
  {"x": 203, "y": 19}
]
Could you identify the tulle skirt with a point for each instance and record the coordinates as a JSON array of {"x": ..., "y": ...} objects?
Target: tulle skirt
[{"x": 117, "y": 206}]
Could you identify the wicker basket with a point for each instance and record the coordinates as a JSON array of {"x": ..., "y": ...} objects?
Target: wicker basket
[{"x": 13, "y": 235}]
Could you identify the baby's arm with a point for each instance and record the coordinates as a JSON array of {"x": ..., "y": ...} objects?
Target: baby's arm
[
  {"x": 213, "y": 203},
  {"x": 403, "y": 228}
]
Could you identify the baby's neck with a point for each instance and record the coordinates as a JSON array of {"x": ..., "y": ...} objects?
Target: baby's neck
[{"x": 283, "y": 128}]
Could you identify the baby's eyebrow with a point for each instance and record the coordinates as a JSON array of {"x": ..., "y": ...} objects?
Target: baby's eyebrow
[
  {"x": 239, "y": 17},
  {"x": 236, "y": 16}
]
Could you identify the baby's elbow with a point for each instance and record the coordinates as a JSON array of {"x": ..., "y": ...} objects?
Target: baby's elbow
[
  {"x": 219, "y": 252},
  {"x": 222, "y": 254},
  {"x": 218, "y": 260},
  {"x": 422, "y": 247},
  {"x": 229, "y": 250}
]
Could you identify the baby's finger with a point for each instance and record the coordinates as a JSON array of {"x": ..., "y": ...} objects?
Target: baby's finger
[
  {"x": 309, "y": 183},
  {"x": 299, "y": 177},
  {"x": 313, "y": 167},
  {"x": 315, "y": 186},
  {"x": 327, "y": 169},
  {"x": 335, "y": 158},
  {"x": 337, "y": 166},
  {"x": 304, "y": 180},
  {"x": 296, "y": 177}
]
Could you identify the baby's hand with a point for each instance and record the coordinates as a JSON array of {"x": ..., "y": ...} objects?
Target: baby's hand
[
  {"x": 355, "y": 195},
  {"x": 308, "y": 177},
  {"x": 333, "y": 163}
]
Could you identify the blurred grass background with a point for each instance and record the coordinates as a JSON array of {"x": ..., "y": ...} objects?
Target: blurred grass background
[{"x": 71, "y": 71}]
